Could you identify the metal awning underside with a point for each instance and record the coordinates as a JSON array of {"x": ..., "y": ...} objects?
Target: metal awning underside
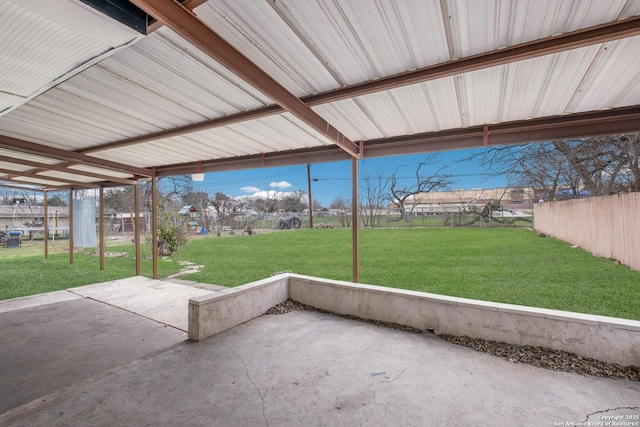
[{"x": 86, "y": 101}]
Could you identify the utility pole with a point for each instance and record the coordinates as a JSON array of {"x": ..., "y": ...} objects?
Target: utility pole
[{"x": 310, "y": 196}]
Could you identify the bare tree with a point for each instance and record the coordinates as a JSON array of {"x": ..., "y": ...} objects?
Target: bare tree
[
  {"x": 568, "y": 168},
  {"x": 538, "y": 165},
  {"x": 200, "y": 200},
  {"x": 374, "y": 194},
  {"x": 421, "y": 182},
  {"x": 222, "y": 203},
  {"x": 342, "y": 207},
  {"x": 605, "y": 165},
  {"x": 294, "y": 202}
]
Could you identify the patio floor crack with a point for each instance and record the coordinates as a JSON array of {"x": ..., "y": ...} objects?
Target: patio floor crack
[
  {"x": 128, "y": 311},
  {"x": 377, "y": 384},
  {"x": 608, "y": 410},
  {"x": 264, "y": 413}
]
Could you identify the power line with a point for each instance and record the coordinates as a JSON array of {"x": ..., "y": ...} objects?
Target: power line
[
  {"x": 413, "y": 177},
  {"x": 251, "y": 179}
]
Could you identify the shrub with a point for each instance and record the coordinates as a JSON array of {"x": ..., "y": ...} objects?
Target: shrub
[{"x": 170, "y": 238}]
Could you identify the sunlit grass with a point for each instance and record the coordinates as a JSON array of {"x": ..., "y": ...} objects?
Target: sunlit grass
[{"x": 504, "y": 265}]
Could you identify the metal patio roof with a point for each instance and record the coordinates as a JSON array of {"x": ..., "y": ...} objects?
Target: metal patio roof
[{"x": 86, "y": 101}]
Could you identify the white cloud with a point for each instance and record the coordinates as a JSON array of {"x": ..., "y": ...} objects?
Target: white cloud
[
  {"x": 265, "y": 194},
  {"x": 250, "y": 189},
  {"x": 281, "y": 184}
]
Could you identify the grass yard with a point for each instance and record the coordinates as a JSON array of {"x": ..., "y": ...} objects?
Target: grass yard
[
  {"x": 504, "y": 265},
  {"x": 26, "y": 273}
]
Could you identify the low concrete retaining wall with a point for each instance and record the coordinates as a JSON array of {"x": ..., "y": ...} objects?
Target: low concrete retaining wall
[
  {"x": 607, "y": 339},
  {"x": 222, "y": 310}
]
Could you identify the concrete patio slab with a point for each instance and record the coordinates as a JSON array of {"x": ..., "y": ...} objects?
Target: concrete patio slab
[
  {"x": 307, "y": 368},
  {"x": 36, "y": 300},
  {"x": 164, "y": 302},
  {"x": 52, "y": 346}
]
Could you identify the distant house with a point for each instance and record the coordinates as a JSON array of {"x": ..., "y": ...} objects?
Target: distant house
[
  {"x": 24, "y": 216},
  {"x": 123, "y": 222},
  {"x": 189, "y": 211}
]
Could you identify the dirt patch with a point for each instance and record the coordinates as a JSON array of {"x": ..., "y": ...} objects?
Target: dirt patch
[{"x": 111, "y": 254}]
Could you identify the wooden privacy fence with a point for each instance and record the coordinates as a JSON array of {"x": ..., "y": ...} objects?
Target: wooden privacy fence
[{"x": 608, "y": 226}]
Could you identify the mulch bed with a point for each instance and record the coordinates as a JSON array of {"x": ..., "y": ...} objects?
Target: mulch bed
[
  {"x": 542, "y": 357},
  {"x": 291, "y": 305}
]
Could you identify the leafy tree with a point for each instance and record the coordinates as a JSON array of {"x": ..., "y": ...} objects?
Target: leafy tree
[
  {"x": 56, "y": 201},
  {"x": 120, "y": 199}
]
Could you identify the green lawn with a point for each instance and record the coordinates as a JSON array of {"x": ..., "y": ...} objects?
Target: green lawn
[
  {"x": 22, "y": 272},
  {"x": 504, "y": 265}
]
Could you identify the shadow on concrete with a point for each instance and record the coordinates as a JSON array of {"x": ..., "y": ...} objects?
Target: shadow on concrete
[{"x": 82, "y": 362}]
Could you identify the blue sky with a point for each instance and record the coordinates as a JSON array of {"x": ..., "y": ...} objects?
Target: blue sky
[{"x": 331, "y": 180}]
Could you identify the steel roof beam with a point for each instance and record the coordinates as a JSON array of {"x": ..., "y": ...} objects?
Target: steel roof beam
[
  {"x": 186, "y": 24},
  {"x": 42, "y": 167},
  {"x": 534, "y": 49},
  {"x": 44, "y": 150},
  {"x": 606, "y": 122},
  {"x": 11, "y": 175},
  {"x": 189, "y": 4},
  {"x": 17, "y": 187},
  {"x": 554, "y": 44}
]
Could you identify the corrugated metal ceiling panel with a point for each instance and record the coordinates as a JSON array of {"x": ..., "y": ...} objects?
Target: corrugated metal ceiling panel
[
  {"x": 63, "y": 37},
  {"x": 522, "y": 90},
  {"x": 613, "y": 78},
  {"x": 484, "y": 25},
  {"x": 147, "y": 88},
  {"x": 107, "y": 172},
  {"x": 163, "y": 82},
  {"x": 256, "y": 30},
  {"x": 423, "y": 107},
  {"x": 30, "y": 157},
  {"x": 276, "y": 133},
  {"x": 39, "y": 121},
  {"x": 353, "y": 40},
  {"x": 170, "y": 68},
  {"x": 68, "y": 176},
  {"x": 14, "y": 167},
  {"x": 417, "y": 108},
  {"x": 43, "y": 182},
  {"x": 27, "y": 37},
  {"x": 352, "y": 118}
]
